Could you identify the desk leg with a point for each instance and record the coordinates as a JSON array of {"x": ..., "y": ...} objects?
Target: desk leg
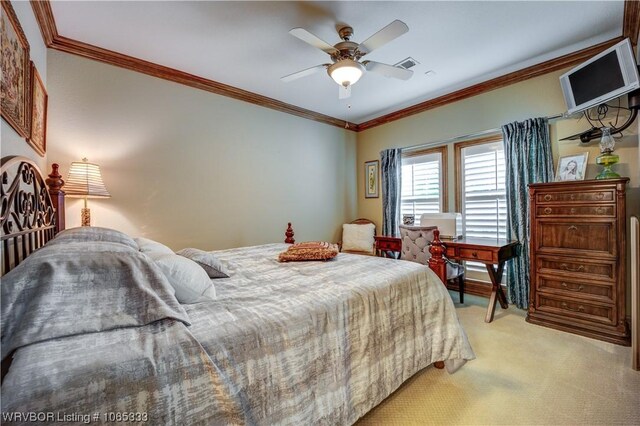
[{"x": 496, "y": 291}]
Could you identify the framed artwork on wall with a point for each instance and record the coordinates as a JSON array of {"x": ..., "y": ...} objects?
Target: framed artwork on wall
[
  {"x": 572, "y": 167},
  {"x": 39, "y": 98},
  {"x": 371, "y": 172},
  {"x": 15, "y": 95}
]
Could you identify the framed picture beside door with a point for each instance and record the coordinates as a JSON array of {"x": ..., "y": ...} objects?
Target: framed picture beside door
[{"x": 371, "y": 179}]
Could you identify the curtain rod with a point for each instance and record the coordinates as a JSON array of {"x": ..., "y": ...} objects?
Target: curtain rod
[{"x": 472, "y": 135}]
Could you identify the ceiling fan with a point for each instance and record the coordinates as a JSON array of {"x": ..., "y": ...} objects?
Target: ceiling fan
[{"x": 346, "y": 68}]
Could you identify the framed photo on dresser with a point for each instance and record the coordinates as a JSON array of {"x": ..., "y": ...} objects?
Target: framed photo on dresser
[
  {"x": 572, "y": 167},
  {"x": 39, "y": 98},
  {"x": 15, "y": 95}
]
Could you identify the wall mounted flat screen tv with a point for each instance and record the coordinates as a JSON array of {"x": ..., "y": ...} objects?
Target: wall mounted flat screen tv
[{"x": 606, "y": 76}]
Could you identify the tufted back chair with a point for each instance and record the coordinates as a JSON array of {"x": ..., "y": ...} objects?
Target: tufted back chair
[
  {"x": 415, "y": 248},
  {"x": 415, "y": 243}
]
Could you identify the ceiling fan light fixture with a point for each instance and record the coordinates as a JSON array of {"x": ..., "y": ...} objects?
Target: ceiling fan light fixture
[{"x": 346, "y": 72}]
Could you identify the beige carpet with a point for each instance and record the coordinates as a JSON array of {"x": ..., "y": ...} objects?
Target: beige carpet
[{"x": 523, "y": 374}]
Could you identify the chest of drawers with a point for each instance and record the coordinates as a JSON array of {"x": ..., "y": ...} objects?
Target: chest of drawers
[{"x": 578, "y": 258}]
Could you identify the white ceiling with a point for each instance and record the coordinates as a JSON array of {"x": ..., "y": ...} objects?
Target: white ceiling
[{"x": 247, "y": 45}]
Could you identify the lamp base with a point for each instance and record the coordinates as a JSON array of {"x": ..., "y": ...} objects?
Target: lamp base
[
  {"x": 85, "y": 215},
  {"x": 607, "y": 160}
]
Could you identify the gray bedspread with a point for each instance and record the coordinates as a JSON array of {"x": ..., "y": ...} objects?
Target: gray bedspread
[
  {"x": 97, "y": 331},
  {"x": 321, "y": 342},
  {"x": 294, "y": 343}
]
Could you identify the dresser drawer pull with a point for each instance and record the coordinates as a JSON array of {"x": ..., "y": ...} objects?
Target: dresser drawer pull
[
  {"x": 565, "y": 267},
  {"x": 565, "y": 306},
  {"x": 599, "y": 210},
  {"x": 600, "y": 196},
  {"x": 474, "y": 254},
  {"x": 547, "y": 211},
  {"x": 573, "y": 197},
  {"x": 547, "y": 197},
  {"x": 572, "y": 228},
  {"x": 579, "y": 288}
]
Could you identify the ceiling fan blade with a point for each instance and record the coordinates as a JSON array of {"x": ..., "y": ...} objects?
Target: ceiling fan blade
[
  {"x": 388, "y": 70},
  {"x": 313, "y": 40},
  {"x": 344, "y": 92},
  {"x": 384, "y": 36},
  {"x": 303, "y": 73}
]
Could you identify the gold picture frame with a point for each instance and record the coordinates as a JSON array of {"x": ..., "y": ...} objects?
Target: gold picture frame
[
  {"x": 371, "y": 179},
  {"x": 39, "y": 99},
  {"x": 15, "y": 94}
]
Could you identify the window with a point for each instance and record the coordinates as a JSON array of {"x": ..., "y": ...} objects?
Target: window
[
  {"x": 482, "y": 198},
  {"x": 424, "y": 182}
]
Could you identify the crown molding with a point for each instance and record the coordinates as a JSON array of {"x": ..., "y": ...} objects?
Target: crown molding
[
  {"x": 46, "y": 22},
  {"x": 53, "y": 40},
  {"x": 631, "y": 21},
  {"x": 495, "y": 83}
]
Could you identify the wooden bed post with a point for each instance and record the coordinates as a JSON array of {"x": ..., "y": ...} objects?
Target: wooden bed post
[
  {"x": 437, "y": 262},
  {"x": 289, "y": 235},
  {"x": 55, "y": 184},
  {"x": 439, "y": 265}
]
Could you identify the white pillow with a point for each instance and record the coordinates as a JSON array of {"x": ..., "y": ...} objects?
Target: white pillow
[
  {"x": 207, "y": 260},
  {"x": 191, "y": 282},
  {"x": 152, "y": 248},
  {"x": 358, "y": 237}
]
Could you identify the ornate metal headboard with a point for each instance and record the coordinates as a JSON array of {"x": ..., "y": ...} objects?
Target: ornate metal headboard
[{"x": 32, "y": 209}]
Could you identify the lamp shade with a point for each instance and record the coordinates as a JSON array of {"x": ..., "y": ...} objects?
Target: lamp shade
[
  {"x": 346, "y": 72},
  {"x": 85, "y": 180}
]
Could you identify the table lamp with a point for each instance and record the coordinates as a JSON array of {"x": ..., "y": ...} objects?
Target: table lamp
[{"x": 85, "y": 181}]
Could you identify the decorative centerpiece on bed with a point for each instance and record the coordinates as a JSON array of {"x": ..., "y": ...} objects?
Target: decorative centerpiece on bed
[{"x": 311, "y": 250}]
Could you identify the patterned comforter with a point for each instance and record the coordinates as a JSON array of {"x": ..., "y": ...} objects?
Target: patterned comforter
[{"x": 292, "y": 343}]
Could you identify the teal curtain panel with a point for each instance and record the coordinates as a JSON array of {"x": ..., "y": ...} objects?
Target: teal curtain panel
[
  {"x": 527, "y": 149},
  {"x": 390, "y": 170}
]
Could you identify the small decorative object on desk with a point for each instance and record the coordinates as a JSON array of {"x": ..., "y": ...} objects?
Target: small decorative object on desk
[
  {"x": 607, "y": 158},
  {"x": 572, "y": 167},
  {"x": 408, "y": 219}
]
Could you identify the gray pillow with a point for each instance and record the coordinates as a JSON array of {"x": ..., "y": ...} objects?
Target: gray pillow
[
  {"x": 208, "y": 261},
  {"x": 94, "y": 233},
  {"x": 81, "y": 287}
]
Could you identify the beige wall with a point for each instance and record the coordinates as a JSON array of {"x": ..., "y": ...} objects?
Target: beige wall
[
  {"x": 190, "y": 168},
  {"x": 537, "y": 97},
  {"x": 10, "y": 142}
]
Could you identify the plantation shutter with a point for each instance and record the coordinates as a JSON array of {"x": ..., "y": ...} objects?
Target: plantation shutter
[
  {"x": 484, "y": 203},
  {"x": 421, "y": 185}
]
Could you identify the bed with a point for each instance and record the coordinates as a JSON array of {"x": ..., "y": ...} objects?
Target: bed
[{"x": 94, "y": 331}]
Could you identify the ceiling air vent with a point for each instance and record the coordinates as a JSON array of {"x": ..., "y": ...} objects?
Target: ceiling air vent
[{"x": 407, "y": 63}]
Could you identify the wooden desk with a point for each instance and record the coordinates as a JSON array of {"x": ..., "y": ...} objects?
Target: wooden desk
[
  {"x": 492, "y": 252},
  {"x": 386, "y": 245}
]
